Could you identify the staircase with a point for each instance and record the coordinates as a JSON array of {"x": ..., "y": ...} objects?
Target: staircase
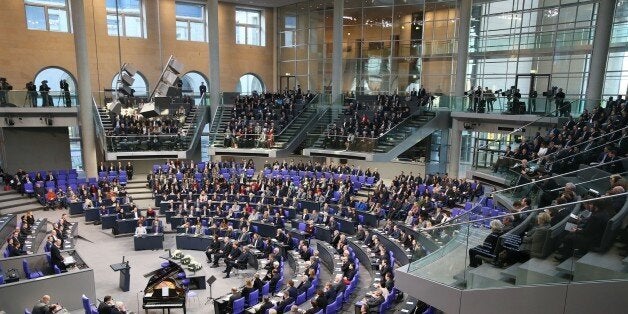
[
  {"x": 396, "y": 141},
  {"x": 179, "y": 145},
  {"x": 141, "y": 195},
  {"x": 11, "y": 202},
  {"x": 285, "y": 142}
]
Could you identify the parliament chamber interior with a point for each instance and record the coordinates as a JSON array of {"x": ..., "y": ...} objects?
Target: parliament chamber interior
[{"x": 313, "y": 156}]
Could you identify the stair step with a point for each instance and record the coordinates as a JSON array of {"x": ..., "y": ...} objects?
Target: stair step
[
  {"x": 18, "y": 202},
  {"x": 10, "y": 196},
  {"x": 21, "y": 209}
]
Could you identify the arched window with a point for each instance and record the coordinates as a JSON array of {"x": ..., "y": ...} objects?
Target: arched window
[
  {"x": 249, "y": 83},
  {"x": 139, "y": 85},
  {"x": 191, "y": 82},
  {"x": 53, "y": 76}
]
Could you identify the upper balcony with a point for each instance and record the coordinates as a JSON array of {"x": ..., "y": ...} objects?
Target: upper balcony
[
  {"x": 173, "y": 132},
  {"x": 19, "y": 108}
]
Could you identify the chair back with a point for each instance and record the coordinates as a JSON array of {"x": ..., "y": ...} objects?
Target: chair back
[
  {"x": 86, "y": 305},
  {"x": 301, "y": 298},
  {"x": 253, "y": 297},
  {"x": 331, "y": 308},
  {"x": 266, "y": 289},
  {"x": 238, "y": 306}
]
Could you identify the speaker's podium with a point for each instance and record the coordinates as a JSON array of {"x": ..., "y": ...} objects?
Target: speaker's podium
[{"x": 125, "y": 274}]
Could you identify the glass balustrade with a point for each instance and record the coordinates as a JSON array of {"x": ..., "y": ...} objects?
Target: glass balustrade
[
  {"x": 491, "y": 247},
  {"x": 171, "y": 129},
  {"x": 35, "y": 99}
]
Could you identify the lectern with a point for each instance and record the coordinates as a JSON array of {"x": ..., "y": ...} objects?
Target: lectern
[{"x": 125, "y": 274}]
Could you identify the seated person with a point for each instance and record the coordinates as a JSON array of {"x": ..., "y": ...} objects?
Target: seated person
[
  {"x": 234, "y": 296},
  {"x": 314, "y": 309},
  {"x": 43, "y": 306},
  {"x": 285, "y": 300},
  {"x": 486, "y": 249},
  {"x": 291, "y": 290},
  {"x": 240, "y": 261},
  {"x": 266, "y": 305},
  {"x": 247, "y": 289},
  {"x": 588, "y": 233},
  {"x": 534, "y": 240},
  {"x": 106, "y": 306},
  {"x": 370, "y": 304},
  {"x": 140, "y": 230}
]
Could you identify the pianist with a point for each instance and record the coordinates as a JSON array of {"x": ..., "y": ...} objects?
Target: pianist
[{"x": 140, "y": 230}]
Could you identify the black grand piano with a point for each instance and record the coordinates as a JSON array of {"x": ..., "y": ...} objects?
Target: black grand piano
[{"x": 164, "y": 290}]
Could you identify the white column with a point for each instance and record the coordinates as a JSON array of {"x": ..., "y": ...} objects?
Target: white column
[
  {"x": 84, "y": 90},
  {"x": 214, "y": 56},
  {"x": 455, "y": 136},
  {"x": 599, "y": 55},
  {"x": 336, "y": 59},
  {"x": 463, "y": 47}
]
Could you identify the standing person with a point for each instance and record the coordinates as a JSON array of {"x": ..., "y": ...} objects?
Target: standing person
[
  {"x": 559, "y": 99},
  {"x": 44, "y": 91},
  {"x": 533, "y": 95},
  {"x": 202, "y": 90},
  {"x": 5, "y": 87},
  {"x": 31, "y": 94},
  {"x": 129, "y": 170},
  {"x": 55, "y": 255},
  {"x": 65, "y": 87}
]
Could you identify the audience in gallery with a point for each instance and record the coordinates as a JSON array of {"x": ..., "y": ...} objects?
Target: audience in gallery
[
  {"x": 596, "y": 137},
  {"x": 258, "y": 118}
]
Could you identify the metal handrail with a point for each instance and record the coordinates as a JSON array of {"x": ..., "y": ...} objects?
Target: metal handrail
[
  {"x": 559, "y": 175},
  {"x": 603, "y": 197},
  {"x": 298, "y": 115}
]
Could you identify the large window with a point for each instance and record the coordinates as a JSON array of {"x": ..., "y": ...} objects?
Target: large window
[
  {"x": 249, "y": 27},
  {"x": 191, "y": 21},
  {"x": 290, "y": 26},
  {"x": 248, "y": 84},
  {"x": 47, "y": 15},
  {"x": 125, "y": 18}
]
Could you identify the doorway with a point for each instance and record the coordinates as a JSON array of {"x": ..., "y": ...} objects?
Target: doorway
[{"x": 287, "y": 82}]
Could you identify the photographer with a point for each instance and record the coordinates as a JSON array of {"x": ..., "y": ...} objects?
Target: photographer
[
  {"x": 5, "y": 87},
  {"x": 31, "y": 94},
  {"x": 44, "y": 91},
  {"x": 559, "y": 98},
  {"x": 65, "y": 87}
]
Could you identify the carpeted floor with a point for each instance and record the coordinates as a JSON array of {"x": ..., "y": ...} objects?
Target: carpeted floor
[{"x": 104, "y": 250}]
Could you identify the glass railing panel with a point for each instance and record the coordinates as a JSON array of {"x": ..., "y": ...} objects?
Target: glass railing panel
[
  {"x": 34, "y": 99},
  {"x": 529, "y": 248}
]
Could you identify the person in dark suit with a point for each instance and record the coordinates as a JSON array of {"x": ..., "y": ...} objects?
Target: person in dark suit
[
  {"x": 14, "y": 248},
  {"x": 55, "y": 255},
  {"x": 240, "y": 261},
  {"x": 588, "y": 233},
  {"x": 257, "y": 242},
  {"x": 489, "y": 245},
  {"x": 222, "y": 253},
  {"x": 106, "y": 306},
  {"x": 43, "y": 306},
  {"x": 291, "y": 290},
  {"x": 321, "y": 299},
  {"x": 371, "y": 303},
  {"x": 314, "y": 309},
  {"x": 257, "y": 282},
  {"x": 287, "y": 299},
  {"x": 266, "y": 304},
  {"x": 129, "y": 170},
  {"x": 274, "y": 279},
  {"x": 213, "y": 248},
  {"x": 247, "y": 289},
  {"x": 304, "y": 252},
  {"x": 304, "y": 285},
  {"x": 234, "y": 296},
  {"x": 330, "y": 292}
]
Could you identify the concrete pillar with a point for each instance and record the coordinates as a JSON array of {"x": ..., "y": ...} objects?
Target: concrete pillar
[
  {"x": 462, "y": 56},
  {"x": 453, "y": 162},
  {"x": 336, "y": 59},
  {"x": 84, "y": 89},
  {"x": 275, "y": 32},
  {"x": 214, "y": 56},
  {"x": 599, "y": 55}
]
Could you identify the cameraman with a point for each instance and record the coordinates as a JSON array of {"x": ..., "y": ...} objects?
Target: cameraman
[
  {"x": 5, "y": 87},
  {"x": 559, "y": 98},
  {"x": 44, "y": 91},
  {"x": 65, "y": 87},
  {"x": 31, "y": 94}
]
